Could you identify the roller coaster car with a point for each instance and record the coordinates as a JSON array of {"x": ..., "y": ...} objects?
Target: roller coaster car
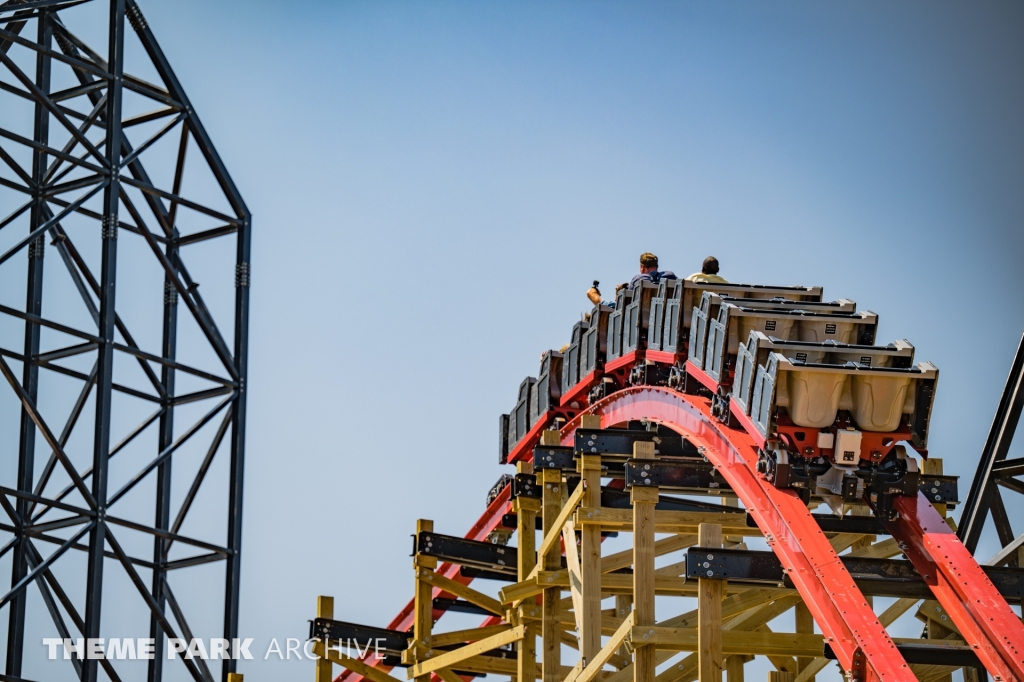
[
  {"x": 832, "y": 426},
  {"x": 536, "y": 398},
  {"x": 571, "y": 362},
  {"x": 548, "y": 390},
  {"x": 672, "y": 310},
  {"x": 595, "y": 341},
  {"x": 715, "y": 339}
]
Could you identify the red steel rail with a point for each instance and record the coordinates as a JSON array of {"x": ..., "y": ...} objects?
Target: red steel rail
[{"x": 848, "y": 623}]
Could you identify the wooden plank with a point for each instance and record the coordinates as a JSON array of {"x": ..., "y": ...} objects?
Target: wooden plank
[
  {"x": 551, "y": 631},
  {"x": 709, "y": 612},
  {"x": 447, "y": 675},
  {"x": 353, "y": 664},
  {"x": 735, "y": 641},
  {"x": 572, "y": 576},
  {"x": 804, "y": 626},
  {"x": 423, "y": 601},
  {"x": 454, "y": 658},
  {"x": 468, "y": 635},
  {"x": 324, "y": 668},
  {"x": 734, "y": 667},
  {"x": 590, "y": 561},
  {"x": 526, "y": 509},
  {"x": 643, "y": 501},
  {"x": 623, "y": 559},
  {"x": 607, "y": 518},
  {"x": 464, "y": 591},
  {"x": 552, "y": 536},
  {"x": 593, "y": 667}
]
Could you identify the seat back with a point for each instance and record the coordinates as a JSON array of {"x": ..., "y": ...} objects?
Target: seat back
[
  {"x": 548, "y": 390},
  {"x": 595, "y": 341},
  {"x": 571, "y": 359},
  {"x": 656, "y": 327},
  {"x": 735, "y": 323},
  {"x": 816, "y": 395},
  {"x": 755, "y": 352},
  {"x": 636, "y": 319},
  {"x": 623, "y": 297}
]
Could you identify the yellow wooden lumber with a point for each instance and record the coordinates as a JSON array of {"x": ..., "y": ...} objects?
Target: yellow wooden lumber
[
  {"x": 460, "y": 590},
  {"x": 353, "y": 664},
  {"x": 607, "y": 518},
  {"x": 324, "y": 609},
  {"x": 550, "y": 540},
  {"x": 607, "y": 652},
  {"x": 447, "y": 675},
  {"x": 469, "y": 635},
  {"x": 573, "y": 576},
  {"x": 709, "y": 612},
  {"x": 551, "y": 631},
  {"x": 623, "y": 559},
  {"x": 733, "y": 641},
  {"x": 454, "y": 658},
  {"x": 590, "y": 560}
]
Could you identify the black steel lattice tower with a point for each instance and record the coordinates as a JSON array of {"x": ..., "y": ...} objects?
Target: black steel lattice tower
[{"x": 93, "y": 174}]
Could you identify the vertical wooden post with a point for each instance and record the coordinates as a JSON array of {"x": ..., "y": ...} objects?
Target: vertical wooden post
[
  {"x": 623, "y": 605},
  {"x": 644, "y": 499},
  {"x": 550, "y": 628},
  {"x": 238, "y": 677},
  {"x": 590, "y": 550},
  {"x": 590, "y": 560},
  {"x": 734, "y": 667},
  {"x": 780, "y": 676},
  {"x": 709, "y": 611},
  {"x": 526, "y": 509},
  {"x": 804, "y": 626},
  {"x": 423, "y": 602},
  {"x": 933, "y": 467},
  {"x": 324, "y": 609}
]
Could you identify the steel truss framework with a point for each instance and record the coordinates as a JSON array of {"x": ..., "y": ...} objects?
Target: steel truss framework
[
  {"x": 997, "y": 475},
  {"x": 82, "y": 168},
  {"x": 823, "y": 570}
]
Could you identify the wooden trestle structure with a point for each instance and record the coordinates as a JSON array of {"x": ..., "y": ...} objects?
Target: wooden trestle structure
[
  {"x": 647, "y": 410},
  {"x": 556, "y": 605}
]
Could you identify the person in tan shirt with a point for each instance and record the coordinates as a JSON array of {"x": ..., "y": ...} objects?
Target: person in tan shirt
[{"x": 708, "y": 273}]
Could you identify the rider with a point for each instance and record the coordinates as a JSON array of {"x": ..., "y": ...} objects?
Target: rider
[
  {"x": 648, "y": 273},
  {"x": 708, "y": 273}
]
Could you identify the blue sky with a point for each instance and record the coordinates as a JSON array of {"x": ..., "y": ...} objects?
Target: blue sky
[{"x": 434, "y": 186}]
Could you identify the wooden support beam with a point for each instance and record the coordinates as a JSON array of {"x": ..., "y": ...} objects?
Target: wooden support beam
[
  {"x": 624, "y": 559},
  {"x": 423, "y": 600},
  {"x": 551, "y": 537},
  {"x": 804, "y": 626},
  {"x": 643, "y": 500},
  {"x": 573, "y": 577},
  {"x": 735, "y": 641},
  {"x": 734, "y": 667},
  {"x": 590, "y": 561},
  {"x": 709, "y": 612},
  {"x": 551, "y": 505},
  {"x": 455, "y": 658},
  {"x": 592, "y": 671},
  {"x": 324, "y": 609},
  {"x": 469, "y": 635},
  {"x": 459, "y": 590},
  {"x": 447, "y": 675},
  {"x": 779, "y": 676},
  {"x": 526, "y": 509},
  {"x": 354, "y": 664},
  {"x": 933, "y": 467},
  {"x": 685, "y": 522}
]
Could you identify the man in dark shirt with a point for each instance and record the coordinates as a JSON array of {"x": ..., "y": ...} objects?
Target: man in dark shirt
[{"x": 648, "y": 273}]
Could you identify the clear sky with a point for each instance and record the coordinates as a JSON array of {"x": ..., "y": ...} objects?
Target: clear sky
[{"x": 435, "y": 185}]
